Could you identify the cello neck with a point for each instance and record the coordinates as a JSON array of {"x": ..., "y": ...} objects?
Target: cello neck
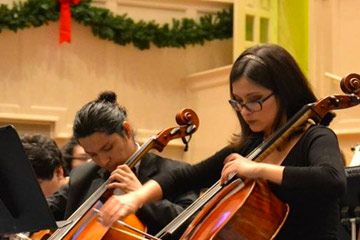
[{"x": 137, "y": 155}]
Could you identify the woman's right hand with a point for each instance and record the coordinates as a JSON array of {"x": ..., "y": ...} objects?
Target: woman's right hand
[
  {"x": 243, "y": 167},
  {"x": 118, "y": 207}
]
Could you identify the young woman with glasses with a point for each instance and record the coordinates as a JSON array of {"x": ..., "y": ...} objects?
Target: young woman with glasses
[{"x": 267, "y": 88}]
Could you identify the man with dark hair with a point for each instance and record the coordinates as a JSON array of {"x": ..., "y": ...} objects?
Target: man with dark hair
[
  {"x": 74, "y": 154},
  {"x": 47, "y": 161},
  {"x": 102, "y": 128}
]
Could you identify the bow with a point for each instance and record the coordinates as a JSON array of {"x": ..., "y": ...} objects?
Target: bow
[{"x": 65, "y": 20}]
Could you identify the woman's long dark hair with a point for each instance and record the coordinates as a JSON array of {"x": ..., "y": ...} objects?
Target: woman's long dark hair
[{"x": 272, "y": 67}]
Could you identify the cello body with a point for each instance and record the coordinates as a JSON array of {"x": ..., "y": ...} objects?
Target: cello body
[
  {"x": 242, "y": 210},
  {"x": 88, "y": 228}
]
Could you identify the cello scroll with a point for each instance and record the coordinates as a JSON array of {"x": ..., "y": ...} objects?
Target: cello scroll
[
  {"x": 188, "y": 123},
  {"x": 351, "y": 84}
]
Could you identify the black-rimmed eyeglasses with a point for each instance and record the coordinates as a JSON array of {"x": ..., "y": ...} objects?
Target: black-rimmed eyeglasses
[{"x": 254, "y": 106}]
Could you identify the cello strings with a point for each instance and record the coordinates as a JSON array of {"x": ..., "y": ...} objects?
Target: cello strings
[
  {"x": 129, "y": 227},
  {"x": 190, "y": 210},
  {"x": 19, "y": 236},
  {"x": 136, "y": 230},
  {"x": 128, "y": 233}
]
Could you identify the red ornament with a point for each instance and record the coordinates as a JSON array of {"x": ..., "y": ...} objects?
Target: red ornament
[{"x": 65, "y": 20}]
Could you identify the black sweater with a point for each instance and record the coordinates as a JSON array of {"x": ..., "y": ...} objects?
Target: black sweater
[{"x": 313, "y": 181}]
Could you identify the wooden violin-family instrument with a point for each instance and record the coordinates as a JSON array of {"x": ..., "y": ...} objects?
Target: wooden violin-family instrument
[
  {"x": 248, "y": 209},
  {"x": 83, "y": 224}
]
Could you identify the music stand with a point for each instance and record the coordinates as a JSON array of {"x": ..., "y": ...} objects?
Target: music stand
[{"x": 23, "y": 207}]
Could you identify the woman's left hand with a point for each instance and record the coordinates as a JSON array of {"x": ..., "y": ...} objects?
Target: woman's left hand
[
  {"x": 243, "y": 167},
  {"x": 124, "y": 178}
]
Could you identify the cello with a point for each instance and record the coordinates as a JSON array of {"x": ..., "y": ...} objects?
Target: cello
[
  {"x": 230, "y": 211},
  {"x": 83, "y": 224}
]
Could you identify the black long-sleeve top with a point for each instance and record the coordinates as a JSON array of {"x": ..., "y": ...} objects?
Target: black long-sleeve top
[{"x": 313, "y": 181}]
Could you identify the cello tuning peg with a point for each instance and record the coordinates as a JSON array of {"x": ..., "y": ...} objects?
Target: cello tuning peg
[
  {"x": 190, "y": 129},
  {"x": 175, "y": 131},
  {"x": 335, "y": 101},
  {"x": 354, "y": 99}
]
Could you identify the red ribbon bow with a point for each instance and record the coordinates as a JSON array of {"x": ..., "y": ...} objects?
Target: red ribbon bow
[{"x": 65, "y": 20}]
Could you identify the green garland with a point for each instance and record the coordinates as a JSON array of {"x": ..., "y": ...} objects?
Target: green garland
[{"x": 120, "y": 28}]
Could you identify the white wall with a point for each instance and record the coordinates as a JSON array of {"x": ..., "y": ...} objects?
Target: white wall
[
  {"x": 44, "y": 83},
  {"x": 335, "y": 48}
]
